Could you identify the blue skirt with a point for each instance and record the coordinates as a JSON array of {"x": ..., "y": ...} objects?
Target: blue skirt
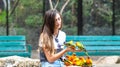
[{"x": 57, "y": 63}]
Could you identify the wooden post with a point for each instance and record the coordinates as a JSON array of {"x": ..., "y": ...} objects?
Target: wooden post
[
  {"x": 79, "y": 17},
  {"x": 113, "y": 18},
  {"x": 45, "y": 6},
  {"x": 7, "y": 19}
]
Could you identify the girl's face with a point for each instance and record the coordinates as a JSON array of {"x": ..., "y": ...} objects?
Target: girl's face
[{"x": 57, "y": 21}]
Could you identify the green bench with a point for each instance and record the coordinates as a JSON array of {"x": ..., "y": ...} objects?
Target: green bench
[
  {"x": 14, "y": 45},
  {"x": 98, "y": 45}
]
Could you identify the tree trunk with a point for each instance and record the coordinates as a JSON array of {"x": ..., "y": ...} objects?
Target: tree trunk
[{"x": 79, "y": 17}]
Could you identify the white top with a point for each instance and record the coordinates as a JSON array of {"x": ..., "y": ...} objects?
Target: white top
[
  {"x": 61, "y": 38},
  {"x": 58, "y": 43}
]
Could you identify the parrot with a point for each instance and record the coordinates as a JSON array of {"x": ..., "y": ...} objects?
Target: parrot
[
  {"x": 81, "y": 47},
  {"x": 89, "y": 61},
  {"x": 66, "y": 60},
  {"x": 71, "y": 44}
]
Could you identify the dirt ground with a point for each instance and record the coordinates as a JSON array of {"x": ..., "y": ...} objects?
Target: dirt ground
[{"x": 35, "y": 54}]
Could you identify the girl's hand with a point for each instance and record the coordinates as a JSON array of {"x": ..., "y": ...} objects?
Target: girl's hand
[{"x": 72, "y": 49}]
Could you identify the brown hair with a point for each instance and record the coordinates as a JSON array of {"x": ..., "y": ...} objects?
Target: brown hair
[{"x": 47, "y": 32}]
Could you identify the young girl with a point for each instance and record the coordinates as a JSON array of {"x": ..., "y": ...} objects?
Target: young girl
[{"x": 52, "y": 40}]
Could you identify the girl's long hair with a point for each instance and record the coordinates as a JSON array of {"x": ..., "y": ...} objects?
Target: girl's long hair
[{"x": 47, "y": 32}]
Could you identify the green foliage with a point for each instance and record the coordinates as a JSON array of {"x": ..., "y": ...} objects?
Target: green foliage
[
  {"x": 97, "y": 12},
  {"x": 67, "y": 16},
  {"x": 105, "y": 14},
  {"x": 33, "y": 4},
  {"x": 72, "y": 2},
  {"x": 87, "y": 7},
  {"x": 2, "y": 30},
  {"x": 28, "y": 17},
  {"x": 70, "y": 30},
  {"x": 70, "y": 18},
  {"x": 33, "y": 20},
  {"x": 18, "y": 31},
  {"x": 117, "y": 14},
  {"x": 2, "y": 18},
  {"x": 29, "y": 13}
]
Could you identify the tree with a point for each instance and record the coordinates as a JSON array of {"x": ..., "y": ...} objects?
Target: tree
[{"x": 54, "y": 7}]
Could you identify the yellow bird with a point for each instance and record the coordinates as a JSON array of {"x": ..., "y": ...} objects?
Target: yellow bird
[
  {"x": 80, "y": 46},
  {"x": 89, "y": 61},
  {"x": 71, "y": 44}
]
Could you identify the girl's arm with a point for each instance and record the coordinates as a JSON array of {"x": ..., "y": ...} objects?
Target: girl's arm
[{"x": 52, "y": 57}]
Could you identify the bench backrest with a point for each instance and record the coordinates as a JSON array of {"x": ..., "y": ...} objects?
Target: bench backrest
[
  {"x": 99, "y": 44},
  {"x": 12, "y": 43}
]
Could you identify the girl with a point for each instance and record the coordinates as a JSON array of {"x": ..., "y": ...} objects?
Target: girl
[{"x": 52, "y": 40}]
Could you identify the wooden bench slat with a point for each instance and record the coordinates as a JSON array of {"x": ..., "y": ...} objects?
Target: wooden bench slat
[
  {"x": 25, "y": 54},
  {"x": 12, "y": 43},
  {"x": 76, "y": 38},
  {"x": 102, "y": 48},
  {"x": 101, "y": 43},
  {"x": 12, "y": 37},
  {"x": 11, "y": 48},
  {"x": 97, "y": 53}
]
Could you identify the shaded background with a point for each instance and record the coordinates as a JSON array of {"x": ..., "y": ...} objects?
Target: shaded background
[{"x": 80, "y": 17}]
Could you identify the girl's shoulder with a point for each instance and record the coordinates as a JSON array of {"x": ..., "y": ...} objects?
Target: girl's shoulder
[{"x": 62, "y": 32}]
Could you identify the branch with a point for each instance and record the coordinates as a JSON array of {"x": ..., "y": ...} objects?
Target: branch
[
  {"x": 14, "y": 7},
  {"x": 56, "y": 4},
  {"x": 51, "y": 6},
  {"x": 63, "y": 7}
]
